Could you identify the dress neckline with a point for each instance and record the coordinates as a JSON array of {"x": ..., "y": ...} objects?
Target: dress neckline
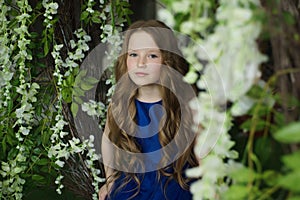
[{"x": 144, "y": 102}]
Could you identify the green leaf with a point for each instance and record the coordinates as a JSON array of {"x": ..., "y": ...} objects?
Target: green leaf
[
  {"x": 96, "y": 20},
  {"x": 10, "y": 106},
  {"x": 86, "y": 86},
  {"x": 38, "y": 178},
  {"x": 263, "y": 149},
  {"x": 236, "y": 192},
  {"x": 45, "y": 169},
  {"x": 34, "y": 35},
  {"x": 70, "y": 80},
  {"x": 289, "y": 133},
  {"x": 10, "y": 135},
  {"x": 34, "y": 158},
  {"x": 74, "y": 108},
  {"x": 12, "y": 153},
  {"x": 78, "y": 92},
  {"x": 270, "y": 177},
  {"x": 294, "y": 197},
  {"x": 243, "y": 175},
  {"x": 279, "y": 118},
  {"x": 292, "y": 160},
  {"x": 4, "y": 146},
  {"x": 291, "y": 181},
  {"x": 46, "y": 47},
  {"x": 81, "y": 74},
  {"x": 42, "y": 161},
  {"x": 45, "y": 138},
  {"x": 96, "y": 13},
  {"x": 67, "y": 94},
  {"x": 17, "y": 170},
  {"x": 91, "y": 80},
  {"x": 78, "y": 100},
  {"x": 84, "y": 15},
  {"x": 37, "y": 151}
]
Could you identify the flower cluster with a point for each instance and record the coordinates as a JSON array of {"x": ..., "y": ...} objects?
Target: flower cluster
[
  {"x": 12, "y": 185},
  {"x": 25, "y": 113},
  {"x": 50, "y": 9},
  {"x": 6, "y": 65},
  {"x": 106, "y": 28},
  {"x": 27, "y": 90},
  {"x": 93, "y": 108},
  {"x": 90, "y": 4},
  {"x": 15, "y": 54},
  {"x": 232, "y": 59},
  {"x": 92, "y": 157},
  {"x": 79, "y": 47},
  {"x": 58, "y": 63},
  {"x": 61, "y": 148}
]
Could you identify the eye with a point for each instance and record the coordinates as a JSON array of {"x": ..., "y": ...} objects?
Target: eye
[
  {"x": 153, "y": 56},
  {"x": 132, "y": 54}
]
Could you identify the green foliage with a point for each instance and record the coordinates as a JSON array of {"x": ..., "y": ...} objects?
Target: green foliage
[
  {"x": 28, "y": 36},
  {"x": 82, "y": 84},
  {"x": 31, "y": 94},
  {"x": 268, "y": 171},
  {"x": 289, "y": 133},
  {"x": 263, "y": 137}
]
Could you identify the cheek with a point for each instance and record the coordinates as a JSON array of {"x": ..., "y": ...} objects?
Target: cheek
[
  {"x": 156, "y": 69},
  {"x": 130, "y": 64}
]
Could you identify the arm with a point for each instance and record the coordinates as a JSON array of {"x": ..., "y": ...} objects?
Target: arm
[
  {"x": 106, "y": 156},
  {"x": 106, "y": 151}
]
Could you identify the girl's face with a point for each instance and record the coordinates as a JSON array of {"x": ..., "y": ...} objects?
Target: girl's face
[{"x": 144, "y": 59}]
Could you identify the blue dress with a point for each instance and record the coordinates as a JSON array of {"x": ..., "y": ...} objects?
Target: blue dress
[{"x": 148, "y": 118}]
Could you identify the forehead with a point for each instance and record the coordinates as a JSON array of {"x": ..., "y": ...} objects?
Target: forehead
[{"x": 141, "y": 40}]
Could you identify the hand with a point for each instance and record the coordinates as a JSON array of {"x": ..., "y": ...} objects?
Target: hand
[{"x": 103, "y": 192}]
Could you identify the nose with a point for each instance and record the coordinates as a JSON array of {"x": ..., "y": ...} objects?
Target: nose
[{"x": 142, "y": 61}]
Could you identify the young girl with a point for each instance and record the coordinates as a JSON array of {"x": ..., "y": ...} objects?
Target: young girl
[{"x": 148, "y": 140}]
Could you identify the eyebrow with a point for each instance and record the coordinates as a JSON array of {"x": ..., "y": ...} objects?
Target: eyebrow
[{"x": 150, "y": 49}]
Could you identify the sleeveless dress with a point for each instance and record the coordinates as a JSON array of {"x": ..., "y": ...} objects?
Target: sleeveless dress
[{"x": 148, "y": 118}]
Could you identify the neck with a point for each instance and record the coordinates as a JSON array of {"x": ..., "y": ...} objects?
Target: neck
[{"x": 149, "y": 93}]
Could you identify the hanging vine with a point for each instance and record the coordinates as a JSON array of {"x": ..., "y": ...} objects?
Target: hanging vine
[
  {"x": 227, "y": 66},
  {"x": 40, "y": 58}
]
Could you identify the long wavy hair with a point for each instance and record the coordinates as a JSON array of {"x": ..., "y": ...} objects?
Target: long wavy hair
[{"x": 177, "y": 126}]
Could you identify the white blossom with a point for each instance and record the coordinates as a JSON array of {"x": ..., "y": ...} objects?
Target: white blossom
[
  {"x": 60, "y": 163},
  {"x": 166, "y": 16},
  {"x": 232, "y": 57}
]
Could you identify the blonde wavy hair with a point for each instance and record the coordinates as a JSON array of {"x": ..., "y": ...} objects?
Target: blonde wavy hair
[{"x": 178, "y": 116}]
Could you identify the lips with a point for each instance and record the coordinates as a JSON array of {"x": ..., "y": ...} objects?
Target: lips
[{"x": 141, "y": 74}]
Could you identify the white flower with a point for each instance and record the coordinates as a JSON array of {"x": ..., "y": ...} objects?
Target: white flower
[
  {"x": 91, "y": 141},
  {"x": 191, "y": 77},
  {"x": 107, "y": 8},
  {"x": 73, "y": 143},
  {"x": 181, "y": 6},
  {"x": 62, "y": 134},
  {"x": 5, "y": 167},
  {"x": 242, "y": 106},
  {"x": 60, "y": 163},
  {"x": 24, "y": 130},
  {"x": 167, "y": 17},
  {"x": 60, "y": 124},
  {"x": 90, "y": 10},
  {"x": 187, "y": 27},
  {"x": 203, "y": 190},
  {"x": 58, "y": 47},
  {"x": 87, "y": 38},
  {"x": 53, "y": 8}
]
